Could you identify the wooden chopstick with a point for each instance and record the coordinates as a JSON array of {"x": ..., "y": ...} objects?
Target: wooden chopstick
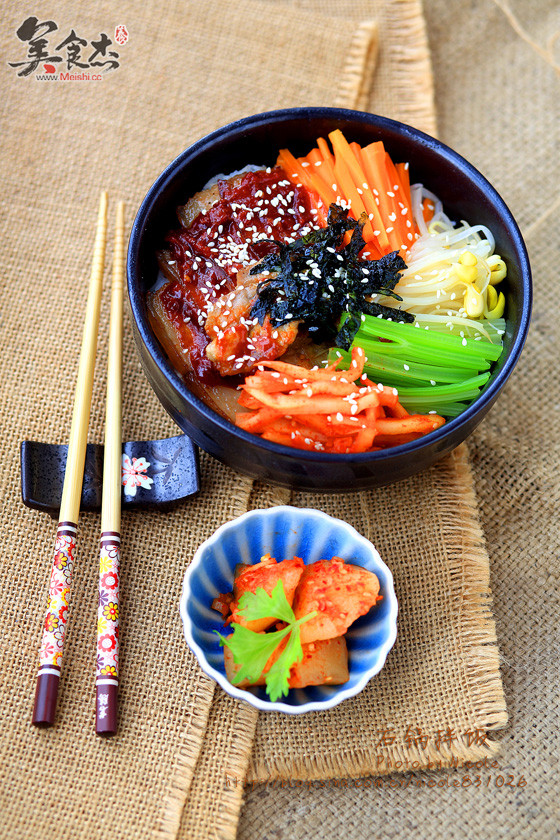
[
  {"x": 107, "y": 672},
  {"x": 50, "y": 656}
]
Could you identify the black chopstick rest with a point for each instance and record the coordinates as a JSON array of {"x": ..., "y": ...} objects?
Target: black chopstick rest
[{"x": 173, "y": 468}]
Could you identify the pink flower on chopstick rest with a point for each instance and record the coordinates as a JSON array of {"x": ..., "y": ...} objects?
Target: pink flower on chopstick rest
[{"x": 133, "y": 474}]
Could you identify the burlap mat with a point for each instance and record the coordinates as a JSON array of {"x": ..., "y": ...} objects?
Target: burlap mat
[{"x": 166, "y": 772}]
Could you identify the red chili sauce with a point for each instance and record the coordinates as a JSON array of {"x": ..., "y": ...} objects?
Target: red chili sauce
[{"x": 231, "y": 235}]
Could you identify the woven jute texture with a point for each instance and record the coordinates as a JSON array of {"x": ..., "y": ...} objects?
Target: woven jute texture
[
  {"x": 177, "y": 767},
  {"x": 441, "y": 682},
  {"x": 498, "y": 103}
]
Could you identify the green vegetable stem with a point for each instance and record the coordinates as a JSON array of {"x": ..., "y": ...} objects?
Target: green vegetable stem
[{"x": 432, "y": 370}]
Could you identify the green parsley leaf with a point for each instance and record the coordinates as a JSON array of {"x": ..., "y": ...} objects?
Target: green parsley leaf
[
  {"x": 262, "y": 605},
  {"x": 279, "y": 673},
  {"x": 253, "y": 650}
]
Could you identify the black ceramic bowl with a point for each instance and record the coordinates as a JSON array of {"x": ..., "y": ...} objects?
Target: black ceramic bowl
[{"x": 465, "y": 193}]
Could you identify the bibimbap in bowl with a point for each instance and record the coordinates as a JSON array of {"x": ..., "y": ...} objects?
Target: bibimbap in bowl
[{"x": 325, "y": 298}]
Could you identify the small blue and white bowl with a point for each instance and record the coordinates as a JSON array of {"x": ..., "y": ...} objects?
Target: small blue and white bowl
[{"x": 286, "y": 532}]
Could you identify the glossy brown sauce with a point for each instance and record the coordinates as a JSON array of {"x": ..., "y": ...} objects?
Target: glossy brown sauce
[{"x": 203, "y": 259}]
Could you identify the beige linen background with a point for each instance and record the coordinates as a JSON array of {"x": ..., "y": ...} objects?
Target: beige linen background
[{"x": 61, "y": 144}]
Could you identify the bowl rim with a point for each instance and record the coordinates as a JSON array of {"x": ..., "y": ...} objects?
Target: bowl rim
[
  {"x": 479, "y": 405},
  {"x": 279, "y": 706}
]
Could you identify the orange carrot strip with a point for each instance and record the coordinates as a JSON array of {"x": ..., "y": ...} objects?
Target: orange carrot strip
[
  {"x": 287, "y": 425},
  {"x": 349, "y": 153},
  {"x": 325, "y": 151},
  {"x": 385, "y": 441},
  {"x": 373, "y": 157},
  {"x": 266, "y": 382},
  {"x": 401, "y": 213},
  {"x": 322, "y": 174},
  {"x": 428, "y": 210},
  {"x": 416, "y": 423},
  {"x": 352, "y": 197},
  {"x": 377, "y": 222},
  {"x": 363, "y": 440},
  {"x": 258, "y": 422},
  {"x": 303, "y": 373},
  {"x": 331, "y": 428},
  {"x": 397, "y": 410},
  {"x": 387, "y": 396},
  {"x": 315, "y": 160},
  {"x": 298, "y": 173},
  {"x": 338, "y": 388},
  {"x": 313, "y": 156},
  {"x": 298, "y": 441},
  {"x": 299, "y": 403},
  {"x": 341, "y": 445},
  {"x": 326, "y": 173},
  {"x": 342, "y": 149},
  {"x": 293, "y": 169},
  {"x": 318, "y": 169},
  {"x": 245, "y": 401},
  {"x": 355, "y": 371},
  {"x": 404, "y": 180}
]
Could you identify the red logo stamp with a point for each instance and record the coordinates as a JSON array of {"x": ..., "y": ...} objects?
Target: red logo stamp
[{"x": 121, "y": 34}]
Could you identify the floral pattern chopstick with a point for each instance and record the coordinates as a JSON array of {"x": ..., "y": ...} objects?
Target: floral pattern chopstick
[
  {"x": 50, "y": 657},
  {"x": 107, "y": 670}
]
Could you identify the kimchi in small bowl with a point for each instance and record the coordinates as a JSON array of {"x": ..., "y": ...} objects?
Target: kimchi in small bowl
[
  {"x": 258, "y": 289},
  {"x": 285, "y": 532}
]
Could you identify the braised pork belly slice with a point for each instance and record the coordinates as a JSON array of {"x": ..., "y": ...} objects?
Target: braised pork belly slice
[
  {"x": 237, "y": 341},
  {"x": 202, "y": 201}
]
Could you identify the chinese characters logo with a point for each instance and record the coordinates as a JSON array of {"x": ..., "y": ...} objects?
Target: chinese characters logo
[{"x": 48, "y": 52}]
